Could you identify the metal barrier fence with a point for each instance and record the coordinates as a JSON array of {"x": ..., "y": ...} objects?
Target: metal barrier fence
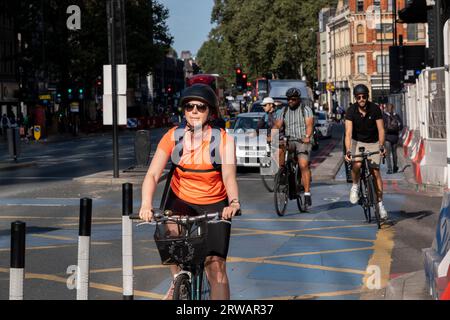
[
  {"x": 435, "y": 79},
  {"x": 422, "y": 105}
]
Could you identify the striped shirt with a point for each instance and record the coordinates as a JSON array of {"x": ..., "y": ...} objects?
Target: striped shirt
[{"x": 295, "y": 121}]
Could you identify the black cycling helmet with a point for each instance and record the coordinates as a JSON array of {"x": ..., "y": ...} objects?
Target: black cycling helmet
[
  {"x": 203, "y": 93},
  {"x": 293, "y": 92},
  {"x": 360, "y": 89}
]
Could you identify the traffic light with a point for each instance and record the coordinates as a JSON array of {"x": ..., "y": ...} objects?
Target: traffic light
[
  {"x": 80, "y": 93},
  {"x": 69, "y": 93},
  {"x": 244, "y": 81},
  {"x": 169, "y": 89},
  {"x": 238, "y": 78},
  {"x": 58, "y": 97}
]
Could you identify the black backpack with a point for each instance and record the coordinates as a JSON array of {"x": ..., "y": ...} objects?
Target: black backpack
[{"x": 392, "y": 124}]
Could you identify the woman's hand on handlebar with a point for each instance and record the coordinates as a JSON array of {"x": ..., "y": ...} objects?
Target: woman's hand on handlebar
[
  {"x": 146, "y": 213},
  {"x": 230, "y": 211}
]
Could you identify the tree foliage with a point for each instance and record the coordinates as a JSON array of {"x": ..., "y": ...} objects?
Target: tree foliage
[
  {"x": 276, "y": 36},
  {"x": 50, "y": 50}
]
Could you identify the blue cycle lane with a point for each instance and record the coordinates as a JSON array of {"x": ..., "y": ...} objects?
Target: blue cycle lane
[{"x": 323, "y": 254}]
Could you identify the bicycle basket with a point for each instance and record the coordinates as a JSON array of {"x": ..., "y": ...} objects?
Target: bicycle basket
[{"x": 188, "y": 247}]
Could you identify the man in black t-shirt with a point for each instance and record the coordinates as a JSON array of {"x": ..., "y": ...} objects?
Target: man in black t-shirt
[{"x": 364, "y": 128}]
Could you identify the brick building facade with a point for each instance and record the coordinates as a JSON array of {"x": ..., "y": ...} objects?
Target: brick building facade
[{"x": 360, "y": 35}]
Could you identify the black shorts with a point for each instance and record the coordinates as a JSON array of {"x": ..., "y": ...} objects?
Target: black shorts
[{"x": 218, "y": 233}]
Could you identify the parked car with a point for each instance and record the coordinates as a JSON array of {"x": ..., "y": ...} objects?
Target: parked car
[
  {"x": 323, "y": 124},
  {"x": 250, "y": 147}
]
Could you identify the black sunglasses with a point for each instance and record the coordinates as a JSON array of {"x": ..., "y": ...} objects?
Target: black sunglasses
[
  {"x": 293, "y": 98},
  {"x": 200, "y": 107},
  {"x": 361, "y": 97}
]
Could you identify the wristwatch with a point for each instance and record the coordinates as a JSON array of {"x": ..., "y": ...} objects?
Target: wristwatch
[{"x": 235, "y": 201}]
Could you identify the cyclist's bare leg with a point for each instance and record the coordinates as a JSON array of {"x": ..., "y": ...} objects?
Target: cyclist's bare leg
[
  {"x": 379, "y": 183},
  {"x": 356, "y": 172},
  {"x": 306, "y": 173},
  {"x": 216, "y": 272}
]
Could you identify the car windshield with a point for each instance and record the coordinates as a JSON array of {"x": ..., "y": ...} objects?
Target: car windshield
[
  {"x": 279, "y": 88},
  {"x": 247, "y": 123},
  {"x": 257, "y": 107}
]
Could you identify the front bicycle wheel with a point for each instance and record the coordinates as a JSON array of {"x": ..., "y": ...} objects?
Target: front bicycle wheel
[
  {"x": 364, "y": 200},
  {"x": 281, "y": 191},
  {"x": 373, "y": 197},
  {"x": 301, "y": 203},
  {"x": 182, "y": 288},
  {"x": 268, "y": 182}
]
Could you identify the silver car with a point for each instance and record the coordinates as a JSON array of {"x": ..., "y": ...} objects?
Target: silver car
[{"x": 250, "y": 147}]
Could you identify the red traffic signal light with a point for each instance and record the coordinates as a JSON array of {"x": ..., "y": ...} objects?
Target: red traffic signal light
[
  {"x": 238, "y": 71},
  {"x": 244, "y": 76}
]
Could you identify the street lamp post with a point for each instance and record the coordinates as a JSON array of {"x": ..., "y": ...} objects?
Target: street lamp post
[
  {"x": 382, "y": 57},
  {"x": 112, "y": 34}
]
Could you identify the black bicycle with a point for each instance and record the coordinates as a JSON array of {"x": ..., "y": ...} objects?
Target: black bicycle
[
  {"x": 288, "y": 183},
  {"x": 367, "y": 190},
  {"x": 186, "y": 248}
]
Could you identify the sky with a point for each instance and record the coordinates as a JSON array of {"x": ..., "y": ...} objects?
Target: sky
[{"x": 189, "y": 23}]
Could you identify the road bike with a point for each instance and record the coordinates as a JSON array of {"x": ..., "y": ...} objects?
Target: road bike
[
  {"x": 367, "y": 190},
  {"x": 186, "y": 248},
  {"x": 288, "y": 183}
]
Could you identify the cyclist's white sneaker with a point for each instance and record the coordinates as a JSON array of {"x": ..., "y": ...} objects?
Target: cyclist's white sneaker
[
  {"x": 382, "y": 210},
  {"x": 354, "y": 194}
]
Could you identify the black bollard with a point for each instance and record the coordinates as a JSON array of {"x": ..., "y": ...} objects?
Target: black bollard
[
  {"x": 127, "y": 241},
  {"x": 84, "y": 243},
  {"x": 16, "y": 271}
]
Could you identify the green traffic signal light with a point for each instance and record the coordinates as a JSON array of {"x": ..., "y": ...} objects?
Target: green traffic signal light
[
  {"x": 69, "y": 90},
  {"x": 80, "y": 91}
]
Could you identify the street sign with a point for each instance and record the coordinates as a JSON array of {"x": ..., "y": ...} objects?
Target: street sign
[
  {"x": 74, "y": 107},
  {"x": 37, "y": 132},
  {"x": 121, "y": 95},
  {"x": 330, "y": 86},
  {"x": 45, "y": 97}
]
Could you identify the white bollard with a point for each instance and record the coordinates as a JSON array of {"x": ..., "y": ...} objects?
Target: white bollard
[
  {"x": 84, "y": 243},
  {"x": 127, "y": 241}
]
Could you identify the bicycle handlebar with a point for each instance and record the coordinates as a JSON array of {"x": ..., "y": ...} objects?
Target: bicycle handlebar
[
  {"x": 168, "y": 215},
  {"x": 365, "y": 154}
]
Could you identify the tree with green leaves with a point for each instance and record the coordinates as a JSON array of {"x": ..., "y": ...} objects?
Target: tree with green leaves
[
  {"x": 263, "y": 36},
  {"x": 52, "y": 53}
]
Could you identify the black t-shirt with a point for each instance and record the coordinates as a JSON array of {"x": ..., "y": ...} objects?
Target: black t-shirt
[{"x": 364, "y": 128}]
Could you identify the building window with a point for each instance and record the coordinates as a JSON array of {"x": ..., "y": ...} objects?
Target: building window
[
  {"x": 361, "y": 64},
  {"x": 360, "y": 6},
  {"x": 383, "y": 64},
  {"x": 384, "y": 31},
  {"x": 376, "y": 3},
  {"x": 421, "y": 31},
  {"x": 389, "y": 6},
  {"x": 412, "y": 32},
  {"x": 360, "y": 33}
]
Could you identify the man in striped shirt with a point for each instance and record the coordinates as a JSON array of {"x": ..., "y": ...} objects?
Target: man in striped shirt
[{"x": 298, "y": 121}]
